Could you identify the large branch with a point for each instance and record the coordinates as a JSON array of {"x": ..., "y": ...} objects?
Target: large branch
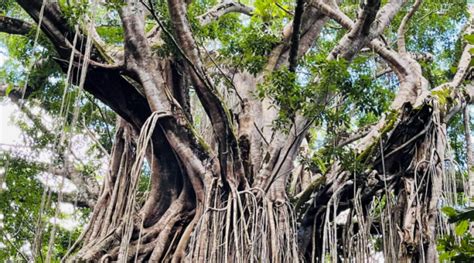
[
  {"x": 408, "y": 71},
  {"x": 139, "y": 60},
  {"x": 76, "y": 199},
  {"x": 354, "y": 40},
  {"x": 108, "y": 85},
  {"x": 87, "y": 186},
  {"x": 224, "y": 8},
  {"x": 358, "y": 35},
  {"x": 295, "y": 38},
  {"x": 385, "y": 17},
  {"x": 207, "y": 93},
  {"x": 14, "y": 26},
  {"x": 312, "y": 22},
  {"x": 368, "y": 26},
  {"x": 366, "y": 17},
  {"x": 403, "y": 27}
]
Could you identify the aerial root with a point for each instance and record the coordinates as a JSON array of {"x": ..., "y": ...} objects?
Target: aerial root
[{"x": 241, "y": 228}]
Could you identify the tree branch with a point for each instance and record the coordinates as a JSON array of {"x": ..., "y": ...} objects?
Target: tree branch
[
  {"x": 366, "y": 17},
  {"x": 14, "y": 26},
  {"x": 312, "y": 23},
  {"x": 385, "y": 17},
  {"x": 227, "y": 142},
  {"x": 367, "y": 27},
  {"x": 222, "y": 9},
  {"x": 352, "y": 137},
  {"x": 16, "y": 97},
  {"x": 403, "y": 27},
  {"x": 469, "y": 151},
  {"x": 87, "y": 187},
  {"x": 126, "y": 100},
  {"x": 464, "y": 63},
  {"x": 77, "y": 199},
  {"x": 393, "y": 58},
  {"x": 295, "y": 38}
]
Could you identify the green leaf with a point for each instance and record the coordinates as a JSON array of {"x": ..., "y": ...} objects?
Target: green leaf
[
  {"x": 461, "y": 227},
  {"x": 465, "y": 214},
  {"x": 449, "y": 211},
  {"x": 469, "y": 38},
  {"x": 454, "y": 70},
  {"x": 9, "y": 89}
]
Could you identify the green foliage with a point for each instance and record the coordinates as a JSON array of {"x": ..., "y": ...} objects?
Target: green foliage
[
  {"x": 286, "y": 94},
  {"x": 339, "y": 96},
  {"x": 20, "y": 199},
  {"x": 284, "y": 89},
  {"x": 458, "y": 247},
  {"x": 442, "y": 95},
  {"x": 245, "y": 43},
  {"x": 111, "y": 33},
  {"x": 457, "y": 142},
  {"x": 469, "y": 38},
  {"x": 271, "y": 9},
  {"x": 249, "y": 49},
  {"x": 431, "y": 30},
  {"x": 461, "y": 227},
  {"x": 75, "y": 10},
  {"x": 379, "y": 205}
]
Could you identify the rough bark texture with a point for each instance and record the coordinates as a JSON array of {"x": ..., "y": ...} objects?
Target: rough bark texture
[{"x": 224, "y": 198}]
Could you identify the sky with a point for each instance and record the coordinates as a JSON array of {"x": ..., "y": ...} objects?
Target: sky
[{"x": 8, "y": 133}]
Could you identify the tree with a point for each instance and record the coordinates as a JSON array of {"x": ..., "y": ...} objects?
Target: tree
[{"x": 220, "y": 111}]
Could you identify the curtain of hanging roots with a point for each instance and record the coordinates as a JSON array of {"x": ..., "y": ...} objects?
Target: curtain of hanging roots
[
  {"x": 241, "y": 228},
  {"x": 403, "y": 213},
  {"x": 233, "y": 225},
  {"x": 106, "y": 220},
  {"x": 230, "y": 226}
]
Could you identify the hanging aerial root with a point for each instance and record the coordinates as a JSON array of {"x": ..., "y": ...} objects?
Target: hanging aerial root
[
  {"x": 395, "y": 206},
  {"x": 142, "y": 146},
  {"x": 238, "y": 227},
  {"x": 115, "y": 217}
]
